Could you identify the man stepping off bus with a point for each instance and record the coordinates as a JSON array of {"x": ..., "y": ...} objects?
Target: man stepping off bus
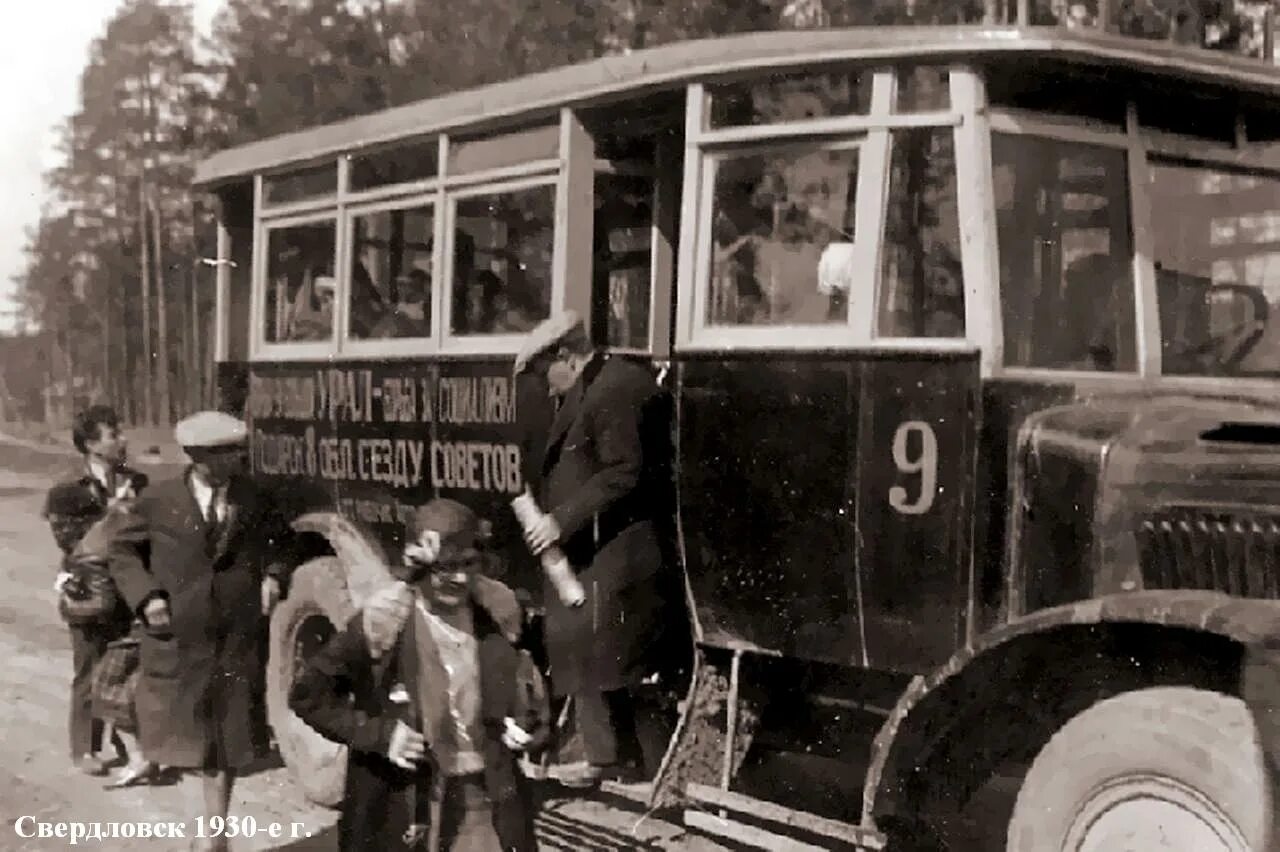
[{"x": 601, "y": 486}]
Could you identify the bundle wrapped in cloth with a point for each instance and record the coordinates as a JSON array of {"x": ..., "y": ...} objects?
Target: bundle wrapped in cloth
[{"x": 86, "y": 594}]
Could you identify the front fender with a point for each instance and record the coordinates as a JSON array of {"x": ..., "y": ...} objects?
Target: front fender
[
  {"x": 363, "y": 558},
  {"x": 1239, "y": 619}
]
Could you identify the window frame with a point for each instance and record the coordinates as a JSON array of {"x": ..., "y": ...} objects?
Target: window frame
[
  {"x": 1059, "y": 128},
  {"x": 392, "y": 346},
  {"x": 489, "y": 344},
  {"x": 259, "y": 347},
  {"x": 439, "y": 193},
  {"x": 871, "y": 134},
  {"x": 1219, "y": 161},
  {"x": 1143, "y": 146}
]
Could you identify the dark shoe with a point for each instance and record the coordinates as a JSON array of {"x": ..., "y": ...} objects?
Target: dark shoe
[{"x": 91, "y": 764}]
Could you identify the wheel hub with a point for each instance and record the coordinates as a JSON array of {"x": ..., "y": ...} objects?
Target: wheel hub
[{"x": 1152, "y": 814}]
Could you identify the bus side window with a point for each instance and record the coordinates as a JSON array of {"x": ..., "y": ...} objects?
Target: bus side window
[
  {"x": 391, "y": 274},
  {"x": 923, "y": 286},
  {"x": 622, "y": 260},
  {"x": 502, "y": 261},
  {"x": 301, "y": 286},
  {"x": 1066, "y": 255}
]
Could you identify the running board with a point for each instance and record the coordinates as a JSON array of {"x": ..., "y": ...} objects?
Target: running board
[{"x": 862, "y": 839}]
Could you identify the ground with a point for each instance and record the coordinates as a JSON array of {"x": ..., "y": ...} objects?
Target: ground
[{"x": 36, "y": 778}]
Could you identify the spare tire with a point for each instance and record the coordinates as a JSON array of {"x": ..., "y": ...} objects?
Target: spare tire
[
  {"x": 1176, "y": 769},
  {"x": 317, "y": 606}
]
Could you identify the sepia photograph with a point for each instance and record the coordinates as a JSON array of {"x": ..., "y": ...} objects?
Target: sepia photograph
[{"x": 640, "y": 426}]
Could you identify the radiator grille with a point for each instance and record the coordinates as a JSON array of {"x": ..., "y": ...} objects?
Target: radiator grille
[{"x": 1225, "y": 550}]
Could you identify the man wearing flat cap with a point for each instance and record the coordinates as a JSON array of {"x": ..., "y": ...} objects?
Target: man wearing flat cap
[
  {"x": 428, "y": 688},
  {"x": 198, "y": 568},
  {"x": 604, "y": 483}
]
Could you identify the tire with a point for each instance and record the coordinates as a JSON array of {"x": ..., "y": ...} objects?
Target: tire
[
  {"x": 1168, "y": 768},
  {"x": 318, "y": 604}
]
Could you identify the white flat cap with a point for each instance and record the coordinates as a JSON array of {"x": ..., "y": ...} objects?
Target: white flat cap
[
  {"x": 210, "y": 429},
  {"x": 547, "y": 334}
]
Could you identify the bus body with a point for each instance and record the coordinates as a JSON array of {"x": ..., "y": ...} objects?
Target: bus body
[{"x": 969, "y": 337}]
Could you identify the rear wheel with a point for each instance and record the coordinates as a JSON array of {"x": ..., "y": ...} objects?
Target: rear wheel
[
  {"x": 1169, "y": 769},
  {"x": 317, "y": 605}
]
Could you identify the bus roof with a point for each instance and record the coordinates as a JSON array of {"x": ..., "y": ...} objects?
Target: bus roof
[{"x": 671, "y": 65}]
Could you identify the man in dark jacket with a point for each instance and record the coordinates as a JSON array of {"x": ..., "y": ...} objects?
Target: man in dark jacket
[
  {"x": 71, "y": 508},
  {"x": 604, "y": 485},
  {"x": 428, "y": 689},
  {"x": 197, "y": 566}
]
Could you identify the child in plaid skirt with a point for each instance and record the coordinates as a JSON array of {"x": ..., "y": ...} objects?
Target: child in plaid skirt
[{"x": 115, "y": 678}]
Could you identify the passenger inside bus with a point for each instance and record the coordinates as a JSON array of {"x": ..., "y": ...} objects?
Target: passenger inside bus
[
  {"x": 311, "y": 317},
  {"x": 774, "y": 217},
  {"x": 368, "y": 306},
  {"x": 411, "y": 314}
]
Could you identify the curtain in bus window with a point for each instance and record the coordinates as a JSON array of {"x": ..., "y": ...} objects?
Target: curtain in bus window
[
  {"x": 502, "y": 261},
  {"x": 772, "y": 215},
  {"x": 1217, "y": 255},
  {"x": 621, "y": 265},
  {"x": 300, "y": 287},
  {"x": 922, "y": 290},
  {"x": 1066, "y": 255},
  {"x": 391, "y": 274}
]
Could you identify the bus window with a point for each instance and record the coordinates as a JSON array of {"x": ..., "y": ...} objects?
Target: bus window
[
  {"x": 922, "y": 291},
  {"x": 482, "y": 153},
  {"x": 390, "y": 293},
  {"x": 1217, "y": 253},
  {"x": 301, "y": 287},
  {"x": 299, "y": 185},
  {"x": 1066, "y": 255},
  {"x": 790, "y": 98},
  {"x": 502, "y": 260},
  {"x": 401, "y": 164},
  {"x": 622, "y": 263},
  {"x": 773, "y": 213}
]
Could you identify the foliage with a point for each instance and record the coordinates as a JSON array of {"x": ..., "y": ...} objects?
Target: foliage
[{"x": 156, "y": 98}]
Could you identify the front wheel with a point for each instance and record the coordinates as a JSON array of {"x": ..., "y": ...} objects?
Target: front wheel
[
  {"x": 318, "y": 604},
  {"x": 1168, "y": 769}
]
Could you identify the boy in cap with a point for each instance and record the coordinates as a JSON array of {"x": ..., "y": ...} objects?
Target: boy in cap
[
  {"x": 197, "y": 567},
  {"x": 428, "y": 688}
]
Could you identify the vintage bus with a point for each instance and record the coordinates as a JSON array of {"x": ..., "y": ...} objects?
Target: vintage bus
[{"x": 968, "y": 337}]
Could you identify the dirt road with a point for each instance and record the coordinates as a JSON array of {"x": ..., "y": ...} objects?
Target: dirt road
[{"x": 36, "y": 779}]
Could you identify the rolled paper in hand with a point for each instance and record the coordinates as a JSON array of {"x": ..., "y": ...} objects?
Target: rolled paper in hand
[{"x": 554, "y": 562}]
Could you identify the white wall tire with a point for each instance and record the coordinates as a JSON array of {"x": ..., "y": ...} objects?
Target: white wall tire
[
  {"x": 318, "y": 604},
  {"x": 1167, "y": 769}
]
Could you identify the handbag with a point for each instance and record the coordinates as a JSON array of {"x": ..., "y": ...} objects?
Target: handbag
[{"x": 89, "y": 596}]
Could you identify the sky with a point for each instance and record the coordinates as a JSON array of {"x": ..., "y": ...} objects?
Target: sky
[{"x": 43, "y": 48}]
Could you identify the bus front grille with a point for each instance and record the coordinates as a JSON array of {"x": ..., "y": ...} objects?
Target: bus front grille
[{"x": 1232, "y": 550}]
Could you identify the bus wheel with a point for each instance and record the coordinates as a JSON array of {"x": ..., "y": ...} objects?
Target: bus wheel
[
  {"x": 317, "y": 604},
  {"x": 1168, "y": 769}
]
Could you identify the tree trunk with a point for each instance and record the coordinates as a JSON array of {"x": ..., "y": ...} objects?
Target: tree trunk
[
  {"x": 162, "y": 321},
  {"x": 148, "y": 402}
]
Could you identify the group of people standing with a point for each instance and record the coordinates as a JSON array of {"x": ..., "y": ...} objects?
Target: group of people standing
[
  {"x": 166, "y": 588},
  {"x": 432, "y": 684}
]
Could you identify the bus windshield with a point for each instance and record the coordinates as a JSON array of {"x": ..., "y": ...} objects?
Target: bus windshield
[{"x": 1217, "y": 254}]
